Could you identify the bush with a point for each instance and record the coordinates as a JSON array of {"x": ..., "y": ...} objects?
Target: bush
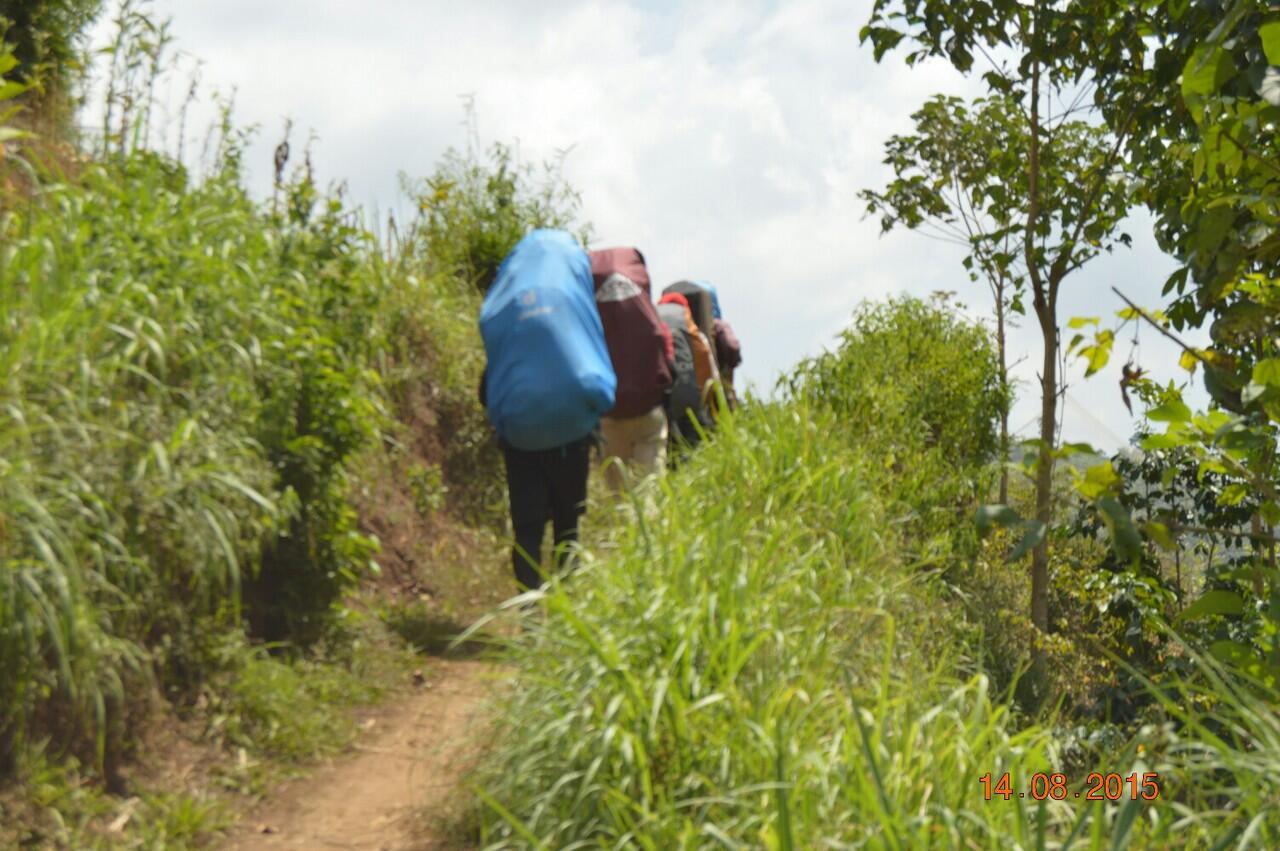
[
  {"x": 920, "y": 386},
  {"x": 178, "y": 395}
]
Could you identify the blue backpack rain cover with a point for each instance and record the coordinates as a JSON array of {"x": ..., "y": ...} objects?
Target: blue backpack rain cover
[{"x": 549, "y": 377}]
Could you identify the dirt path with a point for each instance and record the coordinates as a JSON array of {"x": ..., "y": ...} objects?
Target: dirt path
[{"x": 383, "y": 796}]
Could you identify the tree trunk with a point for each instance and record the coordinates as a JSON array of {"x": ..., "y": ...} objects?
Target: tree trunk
[
  {"x": 1044, "y": 470},
  {"x": 1004, "y": 387},
  {"x": 1044, "y": 294}
]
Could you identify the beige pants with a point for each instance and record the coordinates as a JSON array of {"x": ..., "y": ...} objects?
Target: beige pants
[{"x": 640, "y": 442}]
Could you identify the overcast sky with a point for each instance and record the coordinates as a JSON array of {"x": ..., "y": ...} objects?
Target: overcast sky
[{"x": 727, "y": 140}]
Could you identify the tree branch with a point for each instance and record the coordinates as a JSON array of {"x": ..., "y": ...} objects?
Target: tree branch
[{"x": 1166, "y": 332}]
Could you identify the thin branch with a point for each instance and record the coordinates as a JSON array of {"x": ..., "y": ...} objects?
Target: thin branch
[
  {"x": 1057, "y": 270},
  {"x": 1166, "y": 332}
]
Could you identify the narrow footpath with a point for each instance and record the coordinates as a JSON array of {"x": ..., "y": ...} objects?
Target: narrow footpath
[{"x": 395, "y": 791}]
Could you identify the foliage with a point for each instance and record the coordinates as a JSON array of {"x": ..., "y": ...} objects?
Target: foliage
[
  {"x": 174, "y": 399},
  {"x": 473, "y": 213},
  {"x": 286, "y": 710},
  {"x": 66, "y": 810},
  {"x": 945, "y": 181},
  {"x": 914, "y": 372},
  {"x": 762, "y": 670},
  {"x": 757, "y": 670},
  {"x": 1206, "y": 167},
  {"x": 47, "y": 35},
  {"x": 924, "y": 386},
  {"x": 185, "y": 378},
  {"x": 943, "y": 185}
]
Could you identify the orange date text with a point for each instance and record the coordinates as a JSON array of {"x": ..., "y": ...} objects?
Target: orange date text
[{"x": 1097, "y": 787}]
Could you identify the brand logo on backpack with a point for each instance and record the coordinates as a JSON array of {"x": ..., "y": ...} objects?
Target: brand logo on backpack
[
  {"x": 617, "y": 287},
  {"x": 528, "y": 300}
]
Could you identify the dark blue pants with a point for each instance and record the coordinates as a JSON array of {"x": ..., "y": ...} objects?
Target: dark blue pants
[{"x": 548, "y": 484}]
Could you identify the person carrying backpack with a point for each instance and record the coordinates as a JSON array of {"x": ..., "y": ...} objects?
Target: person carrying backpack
[
  {"x": 547, "y": 381},
  {"x": 695, "y": 370},
  {"x": 635, "y": 430},
  {"x": 728, "y": 349}
]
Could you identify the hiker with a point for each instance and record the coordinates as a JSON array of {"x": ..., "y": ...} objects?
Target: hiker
[
  {"x": 640, "y": 346},
  {"x": 547, "y": 381},
  {"x": 695, "y": 370},
  {"x": 728, "y": 349}
]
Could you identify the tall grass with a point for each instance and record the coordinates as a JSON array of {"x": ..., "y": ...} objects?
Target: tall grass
[
  {"x": 753, "y": 665},
  {"x": 169, "y": 379}
]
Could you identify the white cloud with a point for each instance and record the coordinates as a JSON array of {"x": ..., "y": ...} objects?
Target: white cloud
[{"x": 727, "y": 139}]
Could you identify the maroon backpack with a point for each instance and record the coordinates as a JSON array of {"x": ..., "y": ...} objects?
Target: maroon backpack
[{"x": 632, "y": 331}]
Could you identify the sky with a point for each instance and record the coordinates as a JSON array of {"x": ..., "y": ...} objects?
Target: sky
[{"x": 727, "y": 139}]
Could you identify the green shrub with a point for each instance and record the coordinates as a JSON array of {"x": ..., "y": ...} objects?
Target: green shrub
[
  {"x": 179, "y": 394},
  {"x": 914, "y": 374},
  {"x": 919, "y": 386}
]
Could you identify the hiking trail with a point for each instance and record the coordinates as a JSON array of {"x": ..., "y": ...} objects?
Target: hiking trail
[{"x": 392, "y": 791}]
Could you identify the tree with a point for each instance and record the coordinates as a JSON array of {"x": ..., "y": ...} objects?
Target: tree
[
  {"x": 1074, "y": 194},
  {"x": 945, "y": 185}
]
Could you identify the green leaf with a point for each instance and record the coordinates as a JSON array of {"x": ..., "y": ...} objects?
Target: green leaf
[
  {"x": 1233, "y": 494},
  {"x": 1160, "y": 533},
  {"x": 1081, "y": 321},
  {"x": 1098, "y": 480},
  {"x": 1124, "y": 535},
  {"x": 1173, "y": 411},
  {"x": 1212, "y": 228},
  {"x": 990, "y": 516},
  {"x": 1124, "y": 823},
  {"x": 1035, "y": 532},
  {"x": 11, "y": 90},
  {"x": 1214, "y": 603},
  {"x": 7, "y": 62},
  {"x": 1206, "y": 71},
  {"x": 1233, "y": 653},
  {"x": 1097, "y": 357},
  {"x": 1270, "y": 35},
  {"x": 1168, "y": 440},
  {"x": 1188, "y": 361},
  {"x": 1267, "y": 371}
]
